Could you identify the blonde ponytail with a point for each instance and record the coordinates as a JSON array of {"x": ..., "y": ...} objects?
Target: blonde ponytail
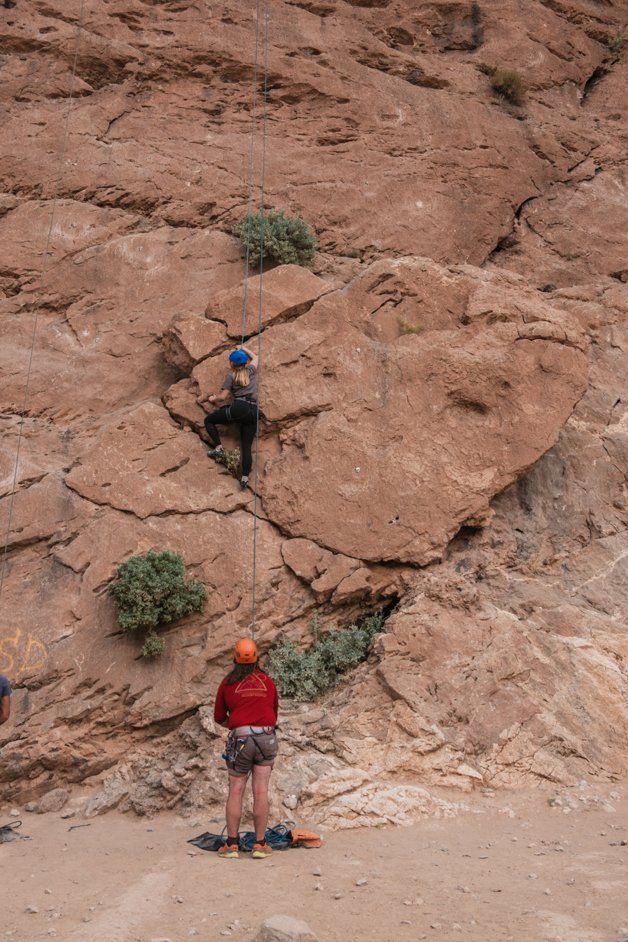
[{"x": 241, "y": 375}]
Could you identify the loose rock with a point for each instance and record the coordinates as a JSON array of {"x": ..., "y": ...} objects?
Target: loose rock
[{"x": 284, "y": 929}]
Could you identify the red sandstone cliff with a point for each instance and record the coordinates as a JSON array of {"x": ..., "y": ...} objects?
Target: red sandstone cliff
[{"x": 473, "y": 472}]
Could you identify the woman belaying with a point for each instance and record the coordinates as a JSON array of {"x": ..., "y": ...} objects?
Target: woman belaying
[
  {"x": 241, "y": 385},
  {"x": 247, "y": 704}
]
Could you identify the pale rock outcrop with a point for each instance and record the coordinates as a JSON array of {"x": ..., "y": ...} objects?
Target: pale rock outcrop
[
  {"x": 52, "y": 801},
  {"x": 373, "y": 804}
]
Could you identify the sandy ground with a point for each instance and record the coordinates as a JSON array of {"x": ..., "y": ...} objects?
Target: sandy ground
[{"x": 514, "y": 868}]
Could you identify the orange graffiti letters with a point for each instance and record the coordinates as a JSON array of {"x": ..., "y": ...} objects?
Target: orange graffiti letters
[{"x": 21, "y": 653}]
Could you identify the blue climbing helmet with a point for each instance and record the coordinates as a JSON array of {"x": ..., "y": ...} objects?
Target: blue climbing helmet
[{"x": 238, "y": 358}]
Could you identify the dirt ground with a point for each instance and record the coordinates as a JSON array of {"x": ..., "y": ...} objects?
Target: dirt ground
[{"x": 540, "y": 866}]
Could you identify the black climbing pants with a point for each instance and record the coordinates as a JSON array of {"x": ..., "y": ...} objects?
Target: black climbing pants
[{"x": 245, "y": 414}]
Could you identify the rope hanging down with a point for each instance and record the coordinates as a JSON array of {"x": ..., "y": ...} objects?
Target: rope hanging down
[
  {"x": 261, "y": 262},
  {"x": 249, "y": 172},
  {"x": 44, "y": 272}
]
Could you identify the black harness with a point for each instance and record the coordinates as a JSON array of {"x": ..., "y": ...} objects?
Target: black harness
[{"x": 234, "y": 744}]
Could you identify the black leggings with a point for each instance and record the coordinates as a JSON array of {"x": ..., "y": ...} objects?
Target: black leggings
[{"x": 245, "y": 414}]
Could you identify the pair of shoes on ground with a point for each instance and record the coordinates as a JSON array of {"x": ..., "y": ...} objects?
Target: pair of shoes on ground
[{"x": 260, "y": 850}]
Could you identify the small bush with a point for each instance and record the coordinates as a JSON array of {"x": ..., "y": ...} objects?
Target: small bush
[
  {"x": 306, "y": 675},
  {"x": 407, "y": 327},
  {"x": 152, "y": 590},
  {"x": 294, "y": 671},
  {"x": 287, "y": 240},
  {"x": 508, "y": 85},
  {"x": 616, "y": 43},
  {"x": 230, "y": 460},
  {"x": 153, "y": 645}
]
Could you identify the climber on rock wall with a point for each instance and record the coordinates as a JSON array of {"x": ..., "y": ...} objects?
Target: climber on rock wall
[
  {"x": 241, "y": 385},
  {"x": 247, "y": 704}
]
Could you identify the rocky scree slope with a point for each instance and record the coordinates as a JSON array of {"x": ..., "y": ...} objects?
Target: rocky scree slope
[{"x": 445, "y": 392}]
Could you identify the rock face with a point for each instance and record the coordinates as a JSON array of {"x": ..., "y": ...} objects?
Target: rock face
[
  {"x": 432, "y": 425},
  {"x": 445, "y": 433}
]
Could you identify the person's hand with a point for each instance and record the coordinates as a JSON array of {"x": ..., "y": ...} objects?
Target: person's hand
[{"x": 211, "y": 399}]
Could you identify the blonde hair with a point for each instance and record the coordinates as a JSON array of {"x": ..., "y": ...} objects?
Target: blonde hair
[{"x": 241, "y": 375}]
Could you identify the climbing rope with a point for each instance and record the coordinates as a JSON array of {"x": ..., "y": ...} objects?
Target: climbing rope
[
  {"x": 249, "y": 173},
  {"x": 44, "y": 272},
  {"x": 261, "y": 10},
  {"x": 259, "y": 315}
]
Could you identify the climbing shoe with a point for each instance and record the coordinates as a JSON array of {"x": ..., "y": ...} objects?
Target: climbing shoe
[
  {"x": 228, "y": 850},
  {"x": 215, "y": 452},
  {"x": 261, "y": 850},
  {"x": 244, "y": 482}
]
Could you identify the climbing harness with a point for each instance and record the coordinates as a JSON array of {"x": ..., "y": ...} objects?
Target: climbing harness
[
  {"x": 44, "y": 272},
  {"x": 238, "y": 739},
  {"x": 233, "y": 746}
]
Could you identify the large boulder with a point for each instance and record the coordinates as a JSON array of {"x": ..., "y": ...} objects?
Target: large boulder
[{"x": 406, "y": 433}]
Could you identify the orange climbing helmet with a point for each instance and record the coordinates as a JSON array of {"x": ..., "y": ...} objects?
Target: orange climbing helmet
[{"x": 245, "y": 651}]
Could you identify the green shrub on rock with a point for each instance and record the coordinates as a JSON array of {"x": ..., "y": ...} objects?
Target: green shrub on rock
[
  {"x": 153, "y": 645},
  {"x": 616, "y": 43},
  {"x": 151, "y": 590},
  {"x": 274, "y": 236},
  {"x": 507, "y": 83},
  {"x": 230, "y": 460},
  {"x": 306, "y": 675},
  {"x": 295, "y": 672}
]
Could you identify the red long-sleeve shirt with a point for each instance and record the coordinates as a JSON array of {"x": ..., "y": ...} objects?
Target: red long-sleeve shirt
[{"x": 249, "y": 702}]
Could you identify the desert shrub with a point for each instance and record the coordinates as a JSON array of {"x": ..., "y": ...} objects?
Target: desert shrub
[
  {"x": 275, "y": 236},
  {"x": 295, "y": 672},
  {"x": 151, "y": 590},
  {"x": 616, "y": 43},
  {"x": 154, "y": 645},
  {"x": 508, "y": 85},
  {"x": 407, "y": 327},
  {"x": 306, "y": 675},
  {"x": 230, "y": 460}
]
